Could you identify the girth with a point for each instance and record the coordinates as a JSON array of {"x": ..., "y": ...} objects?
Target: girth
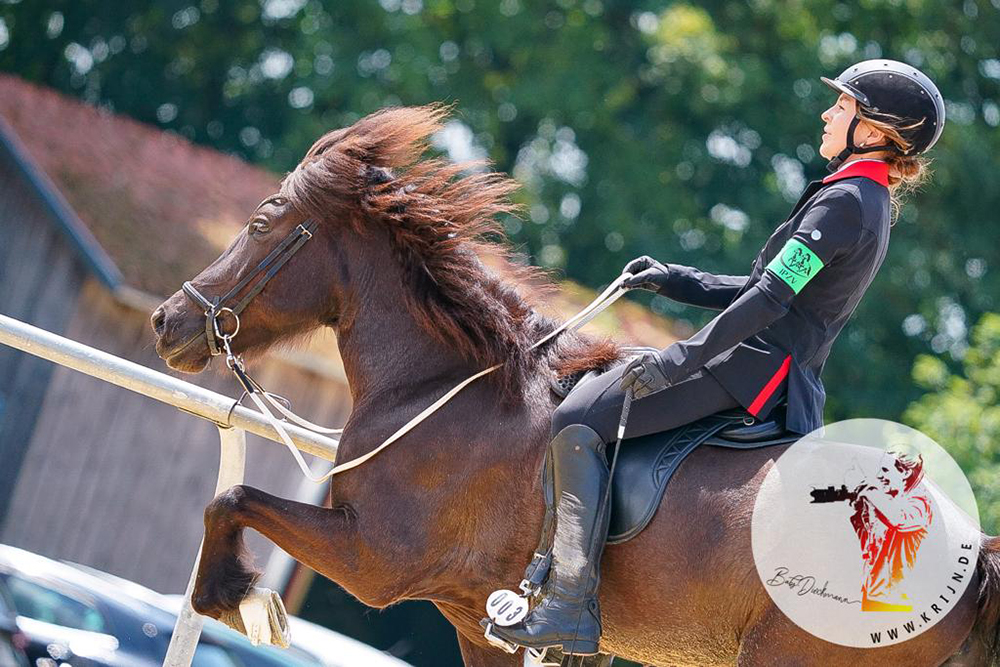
[{"x": 264, "y": 271}]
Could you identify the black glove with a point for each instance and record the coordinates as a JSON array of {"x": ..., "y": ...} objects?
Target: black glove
[
  {"x": 645, "y": 375},
  {"x": 647, "y": 273}
]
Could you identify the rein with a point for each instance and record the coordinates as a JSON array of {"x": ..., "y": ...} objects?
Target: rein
[{"x": 261, "y": 398}]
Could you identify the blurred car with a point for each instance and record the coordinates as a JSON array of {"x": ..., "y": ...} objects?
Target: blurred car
[
  {"x": 311, "y": 643},
  {"x": 70, "y": 615},
  {"x": 12, "y": 640},
  {"x": 332, "y": 649},
  {"x": 326, "y": 647},
  {"x": 66, "y": 622}
]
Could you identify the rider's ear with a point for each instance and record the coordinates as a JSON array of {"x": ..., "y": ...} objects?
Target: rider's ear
[{"x": 875, "y": 136}]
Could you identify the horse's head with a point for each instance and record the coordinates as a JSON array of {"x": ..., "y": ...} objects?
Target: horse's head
[
  {"x": 287, "y": 271},
  {"x": 267, "y": 286},
  {"x": 367, "y": 230}
]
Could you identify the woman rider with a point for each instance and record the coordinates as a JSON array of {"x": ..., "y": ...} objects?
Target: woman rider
[{"x": 770, "y": 341}]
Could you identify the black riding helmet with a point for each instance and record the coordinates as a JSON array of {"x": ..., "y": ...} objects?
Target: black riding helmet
[{"x": 893, "y": 92}]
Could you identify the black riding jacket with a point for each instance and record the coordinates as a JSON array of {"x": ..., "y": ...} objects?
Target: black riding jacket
[{"x": 778, "y": 324}]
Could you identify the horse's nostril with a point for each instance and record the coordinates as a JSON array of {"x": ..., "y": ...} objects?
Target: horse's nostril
[{"x": 157, "y": 320}]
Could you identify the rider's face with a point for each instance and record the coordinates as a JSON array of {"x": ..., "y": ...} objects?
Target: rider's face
[{"x": 836, "y": 120}]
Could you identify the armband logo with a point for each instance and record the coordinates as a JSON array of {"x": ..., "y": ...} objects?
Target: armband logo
[{"x": 796, "y": 264}]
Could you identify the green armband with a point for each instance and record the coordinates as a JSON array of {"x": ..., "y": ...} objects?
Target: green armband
[{"x": 796, "y": 264}]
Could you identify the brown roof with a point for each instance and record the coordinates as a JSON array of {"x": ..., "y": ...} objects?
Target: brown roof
[{"x": 163, "y": 208}]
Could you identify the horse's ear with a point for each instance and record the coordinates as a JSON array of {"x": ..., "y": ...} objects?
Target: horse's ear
[{"x": 377, "y": 175}]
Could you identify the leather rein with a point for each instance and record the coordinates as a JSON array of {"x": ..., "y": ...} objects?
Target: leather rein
[{"x": 265, "y": 270}]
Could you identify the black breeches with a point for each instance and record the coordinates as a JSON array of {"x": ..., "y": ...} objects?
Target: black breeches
[{"x": 597, "y": 403}]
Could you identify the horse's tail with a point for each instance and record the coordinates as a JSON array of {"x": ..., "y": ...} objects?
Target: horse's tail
[{"x": 987, "y": 628}]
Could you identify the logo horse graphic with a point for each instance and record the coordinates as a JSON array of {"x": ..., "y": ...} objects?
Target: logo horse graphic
[{"x": 798, "y": 261}]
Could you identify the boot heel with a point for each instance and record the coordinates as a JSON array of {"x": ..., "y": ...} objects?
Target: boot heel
[{"x": 579, "y": 647}]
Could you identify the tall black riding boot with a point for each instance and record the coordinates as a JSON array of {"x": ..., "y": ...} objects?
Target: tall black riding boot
[{"x": 569, "y": 614}]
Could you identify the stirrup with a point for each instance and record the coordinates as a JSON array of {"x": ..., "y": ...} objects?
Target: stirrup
[
  {"x": 499, "y": 642},
  {"x": 535, "y": 657}
]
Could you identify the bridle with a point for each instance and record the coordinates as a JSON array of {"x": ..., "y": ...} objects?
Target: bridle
[{"x": 266, "y": 270}]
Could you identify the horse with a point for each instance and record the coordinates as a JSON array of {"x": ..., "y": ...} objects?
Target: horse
[{"x": 394, "y": 265}]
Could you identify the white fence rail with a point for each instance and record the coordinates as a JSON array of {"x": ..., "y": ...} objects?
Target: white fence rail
[{"x": 232, "y": 419}]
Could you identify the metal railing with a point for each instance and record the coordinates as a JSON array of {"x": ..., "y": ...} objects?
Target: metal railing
[{"x": 233, "y": 421}]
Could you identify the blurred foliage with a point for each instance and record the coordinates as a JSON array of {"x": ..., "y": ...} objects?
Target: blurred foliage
[
  {"x": 961, "y": 413},
  {"x": 682, "y": 130}
]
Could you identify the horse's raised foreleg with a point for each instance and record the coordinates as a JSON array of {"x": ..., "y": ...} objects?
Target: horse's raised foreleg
[{"x": 315, "y": 536}]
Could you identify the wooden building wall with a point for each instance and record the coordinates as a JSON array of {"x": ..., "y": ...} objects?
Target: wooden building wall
[
  {"x": 118, "y": 481},
  {"x": 40, "y": 276}
]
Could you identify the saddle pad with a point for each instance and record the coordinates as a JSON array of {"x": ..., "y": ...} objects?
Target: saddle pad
[{"x": 646, "y": 464}]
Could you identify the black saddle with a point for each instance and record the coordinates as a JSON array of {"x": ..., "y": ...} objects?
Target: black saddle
[
  {"x": 646, "y": 464},
  {"x": 643, "y": 470}
]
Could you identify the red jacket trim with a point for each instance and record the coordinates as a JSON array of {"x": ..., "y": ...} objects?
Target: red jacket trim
[
  {"x": 876, "y": 170},
  {"x": 769, "y": 388}
]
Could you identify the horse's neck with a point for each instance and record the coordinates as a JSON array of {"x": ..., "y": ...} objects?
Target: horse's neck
[
  {"x": 395, "y": 369},
  {"x": 388, "y": 356}
]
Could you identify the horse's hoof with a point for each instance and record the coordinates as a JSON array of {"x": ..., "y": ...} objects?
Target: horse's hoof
[
  {"x": 261, "y": 617},
  {"x": 223, "y": 584}
]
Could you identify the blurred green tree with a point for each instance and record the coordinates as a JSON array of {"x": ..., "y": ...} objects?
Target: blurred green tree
[
  {"x": 961, "y": 412},
  {"x": 678, "y": 129}
]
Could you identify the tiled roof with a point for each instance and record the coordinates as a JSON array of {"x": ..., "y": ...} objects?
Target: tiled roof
[{"x": 163, "y": 208}]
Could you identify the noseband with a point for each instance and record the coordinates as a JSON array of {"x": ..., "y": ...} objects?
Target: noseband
[{"x": 265, "y": 271}]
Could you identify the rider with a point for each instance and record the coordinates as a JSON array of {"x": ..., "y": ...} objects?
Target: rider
[{"x": 770, "y": 341}]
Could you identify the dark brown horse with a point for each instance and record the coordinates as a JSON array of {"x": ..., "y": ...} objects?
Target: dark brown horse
[{"x": 453, "y": 510}]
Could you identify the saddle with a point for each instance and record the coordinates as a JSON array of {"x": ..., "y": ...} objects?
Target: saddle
[{"x": 646, "y": 464}]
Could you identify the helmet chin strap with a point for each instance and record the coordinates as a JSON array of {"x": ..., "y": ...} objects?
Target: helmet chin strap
[{"x": 835, "y": 163}]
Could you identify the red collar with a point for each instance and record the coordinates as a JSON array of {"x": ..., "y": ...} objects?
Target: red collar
[{"x": 877, "y": 170}]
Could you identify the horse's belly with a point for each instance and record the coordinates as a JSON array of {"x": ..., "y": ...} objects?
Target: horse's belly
[{"x": 684, "y": 590}]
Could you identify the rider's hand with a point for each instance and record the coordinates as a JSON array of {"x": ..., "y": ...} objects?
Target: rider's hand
[
  {"x": 647, "y": 273},
  {"x": 645, "y": 375}
]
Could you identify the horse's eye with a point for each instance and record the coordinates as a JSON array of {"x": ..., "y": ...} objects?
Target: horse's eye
[{"x": 259, "y": 227}]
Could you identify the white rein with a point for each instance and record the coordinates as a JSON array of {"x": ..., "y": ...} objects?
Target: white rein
[{"x": 261, "y": 397}]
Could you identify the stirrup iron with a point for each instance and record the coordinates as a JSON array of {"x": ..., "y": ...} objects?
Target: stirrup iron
[
  {"x": 500, "y": 643},
  {"x": 535, "y": 657}
]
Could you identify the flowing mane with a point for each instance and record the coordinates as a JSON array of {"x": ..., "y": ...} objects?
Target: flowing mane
[{"x": 441, "y": 219}]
